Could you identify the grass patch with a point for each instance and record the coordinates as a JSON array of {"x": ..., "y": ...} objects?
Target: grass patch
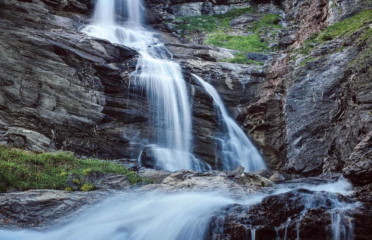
[
  {"x": 250, "y": 43},
  {"x": 216, "y": 26},
  {"x": 209, "y": 23},
  {"x": 343, "y": 29},
  {"x": 346, "y": 27},
  {"x": 22, "y": 170},
  {"x": 267, "y": 23}
]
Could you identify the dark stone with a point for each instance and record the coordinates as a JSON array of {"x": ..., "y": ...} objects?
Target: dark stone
[
  {"x": 258, "y": 57},
  {"x": 276, "y": 216},
  {"x": 41, "y": 208}
]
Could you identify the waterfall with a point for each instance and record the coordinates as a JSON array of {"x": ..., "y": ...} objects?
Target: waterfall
[
  {"x": 161, "y": 79},
  {"x": 237, "y": 149},
  {"x": 166, "y": 90}
]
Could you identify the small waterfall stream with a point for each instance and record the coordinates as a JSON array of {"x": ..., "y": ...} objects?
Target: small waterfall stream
[
  {"x": 237, "y": 149},
  {"x": 160, "y": 78}
]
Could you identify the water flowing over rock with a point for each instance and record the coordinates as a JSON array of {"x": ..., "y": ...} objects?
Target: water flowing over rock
[
  {"x": 167, "y": 93},
  {"x": 237, "y": 149}
]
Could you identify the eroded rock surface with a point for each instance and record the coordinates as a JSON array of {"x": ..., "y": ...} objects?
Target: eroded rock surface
[{"x": 40, "y": 208}]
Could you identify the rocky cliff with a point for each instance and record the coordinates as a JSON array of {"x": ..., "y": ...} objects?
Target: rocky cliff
[{"x": 305, "y": 99}]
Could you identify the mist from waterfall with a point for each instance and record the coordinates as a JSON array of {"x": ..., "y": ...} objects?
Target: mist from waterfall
[{"x": 237, "y": 149}]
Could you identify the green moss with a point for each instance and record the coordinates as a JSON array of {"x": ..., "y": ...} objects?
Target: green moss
[
  {"x": 250, "y": 43},
  {"x": 209, "y": 23},
  {"x": 340, "y": 30},
  {"x": 362, "y": 63},
  {"x": 87, "y": 187},
  {"x": 205, "y": 23},
  {"x": 310, "y": 59},
  {"x": 22, "y": 170},
  {"x": 266, "y": 23},
  {"x": 346, "y": 27},
  {"x": 216, "y": 28}
]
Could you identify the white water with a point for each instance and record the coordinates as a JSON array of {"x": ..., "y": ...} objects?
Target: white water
[
  {"x": 159, "y": 77},
  {"x": 170, "y": 216},
  {"x": 237, "y": 149},
  {"x": 137, "y": 216},
  {"x": 165, "y": 87}
]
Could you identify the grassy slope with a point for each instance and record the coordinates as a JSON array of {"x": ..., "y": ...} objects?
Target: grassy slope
[
  {"x": 217, "y": 27},
  {"x": 22, "y": 170},
  {"x": 340, "y": 30}
]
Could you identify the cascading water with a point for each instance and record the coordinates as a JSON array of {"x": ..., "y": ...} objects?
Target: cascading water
[
  {"x": 237, "y": 149},
  {"x": 181, "y": 216},
  {"x": 166, "y": 90},
  {"x": 161, "y": 79}
]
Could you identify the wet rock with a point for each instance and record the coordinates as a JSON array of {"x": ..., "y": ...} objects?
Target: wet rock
[
  {"x": 277, "y": 178},
  {"x": 359, "y": 166},
  {"x": 40, "y": 208},
  {"x": 284, "y": 215},
  {"x": 183, "y": 180},
  {"x": 154, "y": 176}
]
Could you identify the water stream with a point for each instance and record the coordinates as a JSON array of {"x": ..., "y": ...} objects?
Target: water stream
[
  {"x": 152, "y": 215},
  {"x": 167, "y": 93},
  {"x": 159, "y": 77},
  {"x": 237, "y": 149}
]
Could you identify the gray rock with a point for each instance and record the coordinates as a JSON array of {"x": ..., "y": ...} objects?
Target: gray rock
[
  {"x": 258, "y": 57},
  {"x": 41, "y": 208}
]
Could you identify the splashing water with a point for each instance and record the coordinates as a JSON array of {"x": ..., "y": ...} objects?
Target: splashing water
[
  {"x": 163, "y": 82},
  {"x": 181, "y": 216},
  {"x": 138, "y": 216},
  {"x": 160, "y": 78},
  {"x": 237, "y": 149}
]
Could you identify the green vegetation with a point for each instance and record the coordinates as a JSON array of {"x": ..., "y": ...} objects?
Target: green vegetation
[
  {"x": 346, "y": 27},
  {"x": 22, "y": 170},
  {"x": 250, "y": 43},
  {"x": 216, "y": 29},
  {"x": 340, "y": 30},
  {"x": 267, "y": 23},
  {"x": 210, "y": 23}
]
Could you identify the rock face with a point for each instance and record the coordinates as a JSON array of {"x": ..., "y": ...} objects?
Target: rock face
[
  {"x": 39, "y": 208},
  {"x": 60, "y": 90}
]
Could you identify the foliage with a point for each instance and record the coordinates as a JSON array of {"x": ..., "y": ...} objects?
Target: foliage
[
  {"x": 266, "y": 23},
  {"x": 340, "y": 30},
  {"x": 210, "y": 23},
  {"x": 250, "y": 43},
  {"x": 346, "y": 27},
  {"x": 22, "y": 170}
]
